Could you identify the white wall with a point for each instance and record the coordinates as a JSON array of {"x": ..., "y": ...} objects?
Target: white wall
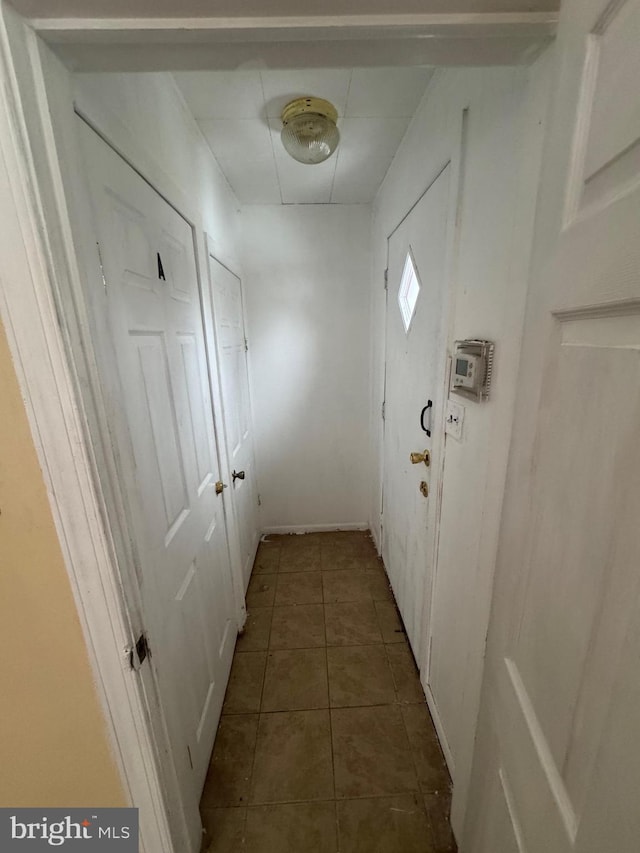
[
  {"x": 307, "y": 299},
  {"x": 498, "y": 169},
  {"x": 146, "y": 117}
]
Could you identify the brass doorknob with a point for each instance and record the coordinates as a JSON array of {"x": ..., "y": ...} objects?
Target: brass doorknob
[
  {"x": 424, "y": 488},
  {"x": 425, "y": 457},
  {"x": 220, "y": 487}
]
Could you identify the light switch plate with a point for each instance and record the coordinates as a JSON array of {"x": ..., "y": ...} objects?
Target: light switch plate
[{"x": 454, "y": 419}]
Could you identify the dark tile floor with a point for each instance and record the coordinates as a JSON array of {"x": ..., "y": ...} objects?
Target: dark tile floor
[{"x": 325, "y": 742}]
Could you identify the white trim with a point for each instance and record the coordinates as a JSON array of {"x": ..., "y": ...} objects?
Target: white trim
[
  {"x": 457, "y": 161},
  {"x": 437, "y": 722},
  {"x": 544, "y": 754},
  {"x": 315, "y": 528},
  {"x": 154, "y": 43},
  {"x": 376, "y": 541},
  {"x": 507, "y": 794},
  {"x": 215, "y": 384},
  {"x": 540, "y": 21},
  {"x": 210, "y": 323},
  {"x": 58, "y": 427}
]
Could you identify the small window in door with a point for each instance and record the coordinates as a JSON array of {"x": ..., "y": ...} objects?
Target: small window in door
[{"x": 409, "y": 290}]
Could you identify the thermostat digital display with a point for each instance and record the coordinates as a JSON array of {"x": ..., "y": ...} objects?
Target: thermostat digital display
[{"x": 465, "y": 371}]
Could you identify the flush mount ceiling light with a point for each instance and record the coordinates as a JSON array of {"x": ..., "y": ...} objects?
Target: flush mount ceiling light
[{"x": 309, "y": 132}]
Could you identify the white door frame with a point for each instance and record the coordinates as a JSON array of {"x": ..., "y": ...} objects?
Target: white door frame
[
  {"x": 38, "y": 266},
  {"x": 43, "y": 310},
  {"x": 423, "y": 657},
  {"x": 211, "y": 339},
  {"x": 455, "y": 163},
  {"x": 59, "y": 428}
]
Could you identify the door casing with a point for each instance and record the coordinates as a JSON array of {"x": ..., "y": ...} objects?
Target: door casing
[
  {"x": 246, "y": 558},
  {"x": 48, "y": 356},
  {"x": 76, "y": 454},
  {"x": 454, "y": 165}
]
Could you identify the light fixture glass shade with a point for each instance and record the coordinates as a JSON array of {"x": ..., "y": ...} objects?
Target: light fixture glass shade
[{"x": 309, "y": 132}]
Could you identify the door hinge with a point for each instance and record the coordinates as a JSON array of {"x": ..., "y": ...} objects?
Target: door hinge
[
  {"x": 384, "y": 409},
  {"x": 386, "y": 279},
  {"x": 138, "y": 653},
  {"x": 246, "y": 345},
  {"x": 104, "y": 279},
  {"x": 259, "y": 501}
]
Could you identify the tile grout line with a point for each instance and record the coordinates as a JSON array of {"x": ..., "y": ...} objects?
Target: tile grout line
[
  {"x": 406, "y": 793},
  {"x": 255, "y": 748},
  {"x": 253, "y": 760},
  {"x": 397, "y": 703},
  {"x": 418, "y": 794},
  {"x": 333, "y": 763}
]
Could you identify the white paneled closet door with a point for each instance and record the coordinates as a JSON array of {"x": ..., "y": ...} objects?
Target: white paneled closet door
[
  {"x": 558, "y": 766},
  {"x": 148, "y": 326},
  {"x": 228, "y": 314}
]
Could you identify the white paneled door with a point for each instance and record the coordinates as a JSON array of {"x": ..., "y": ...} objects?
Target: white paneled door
[
  {"x": 560, "y": 733},
  {"x": 231, "y": 341},
  {"x": 148, "y": 326},
  {"x": 415, "y": 364}
]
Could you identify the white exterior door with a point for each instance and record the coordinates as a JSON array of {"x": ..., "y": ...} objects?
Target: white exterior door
[
  {"x": 228, "y": 316},
  {"x": 415, "y": 363},
  {"x": 148, "y": 325},
  {"x": 558, "y": 758}
]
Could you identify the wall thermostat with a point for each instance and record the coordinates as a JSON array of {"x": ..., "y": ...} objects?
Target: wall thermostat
[{"x": 472, "y": 368}]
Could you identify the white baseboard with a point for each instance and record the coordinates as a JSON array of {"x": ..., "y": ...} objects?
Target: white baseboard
[
  {"x": 315, "y": 528},
  {"x": 437, "y": 722},
  {"x": 376, "y": 541}
]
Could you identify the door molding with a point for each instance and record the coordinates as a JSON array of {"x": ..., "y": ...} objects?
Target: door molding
[
  {"x": 422, "y": 649},
  {"x": 404, "y": 216},
  {"x": 48, "y": 381},
  {"x": 216, "y": 42},
  {"x": 455, "y": 162},
  {"x": 215, "y": 382},
  {"x": 212, "y": 342},
  {"x": 454, "y": 159}
]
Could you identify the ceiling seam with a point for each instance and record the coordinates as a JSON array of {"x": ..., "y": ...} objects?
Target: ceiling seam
[
  {"x": 335, "y": 167},
  {"x": 273, "y": 151}
]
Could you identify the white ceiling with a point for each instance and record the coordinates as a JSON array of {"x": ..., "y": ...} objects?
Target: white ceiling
[{"x": 239, "y": 114}]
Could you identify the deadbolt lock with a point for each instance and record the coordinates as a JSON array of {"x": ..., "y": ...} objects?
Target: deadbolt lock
[
  {"x": 425, "y": 457},
  {"x": 424, "y": 488},
  {"x": 220, "y": 487}
]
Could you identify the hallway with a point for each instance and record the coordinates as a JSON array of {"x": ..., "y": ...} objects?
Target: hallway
[{"x": 325, "y": 742}]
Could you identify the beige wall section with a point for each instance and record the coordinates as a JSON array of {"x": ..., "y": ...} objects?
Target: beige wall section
[{"x": 53, "y": 739}]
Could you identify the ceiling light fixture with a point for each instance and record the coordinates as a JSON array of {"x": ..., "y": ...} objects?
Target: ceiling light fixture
[{"x": 309, "y": 132}]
